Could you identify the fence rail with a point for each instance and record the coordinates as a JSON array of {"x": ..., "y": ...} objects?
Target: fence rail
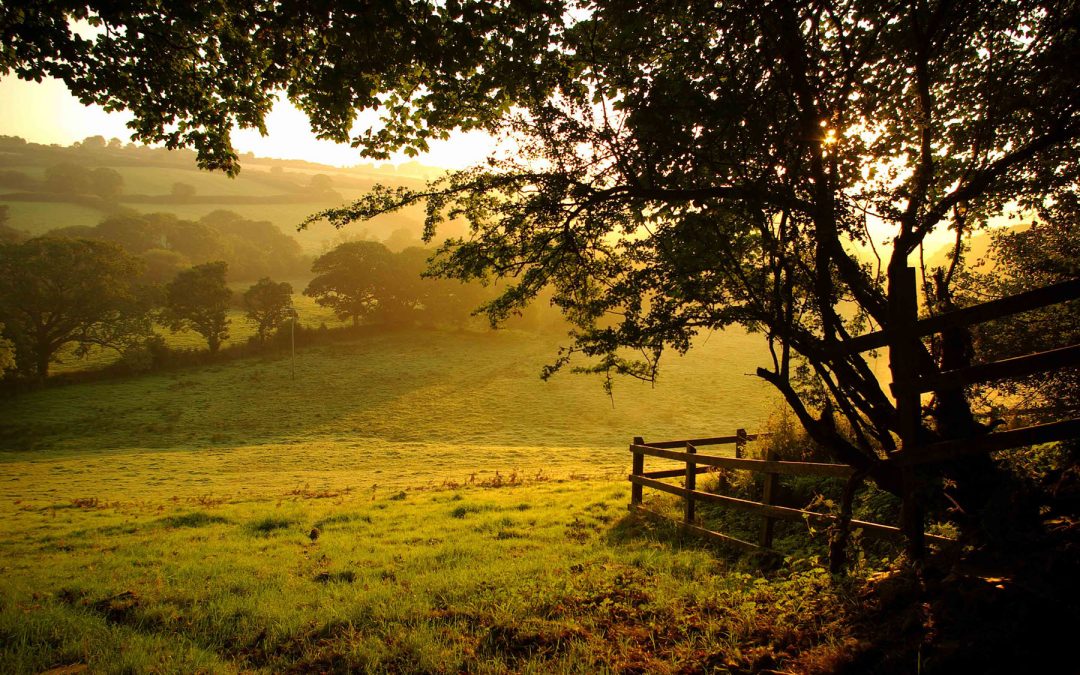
[
  {"x": 969, "y": 316},
  {"x": 903, "y": 338},
  {"x": 697, "y": 463}
]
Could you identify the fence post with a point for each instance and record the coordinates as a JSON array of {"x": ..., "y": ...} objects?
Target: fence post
[
  {"x": 638, "y": 469},
  {"x": 691, "y": 484},
  {"x": 740, "y": 443},
  {"x": 903, "y": 355},
  {"x": 772, "y": 482}
]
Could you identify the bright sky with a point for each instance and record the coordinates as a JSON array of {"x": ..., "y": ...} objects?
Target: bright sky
[{"x": 46, "y": 113}]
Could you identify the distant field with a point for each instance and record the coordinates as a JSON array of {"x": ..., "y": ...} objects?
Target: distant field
[
  {"x": 40, "y": 217},
  {"x": 411, "y": 502},
  {"x": 255, "y": 181},
  {"x": 374, "y": 411}
]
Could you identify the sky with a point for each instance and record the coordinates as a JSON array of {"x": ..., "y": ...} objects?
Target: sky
[{"x": 46, "y": 113}]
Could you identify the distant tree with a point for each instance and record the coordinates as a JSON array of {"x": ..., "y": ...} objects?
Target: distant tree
[
  {"x": 198, "y": 241},
  {"x": 352, "y": 279},
  {"x": 55, "y": 292},
  {"x": 68, "y": 178},
  {"x": 162, "y": 266},
  {"x": 267, "y": 304},
  {"x": 199, "y": 299},
  {"x": 183, "y": 190},
  {"x": 320, "y": 182},
  {"x": 115, "y": 143},
  {"x": 106, "y": 183},
  {"x": 256, "y": 248},
  {"x": 131, "y": 231},
  {"x": 93, "y": 143}
]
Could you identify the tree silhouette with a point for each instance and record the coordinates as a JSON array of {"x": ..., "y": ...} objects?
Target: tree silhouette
[
  {"x": 267, "y": 303},
  {"x": 56, "y": 292},
  {"x": 352, "y": 279},
  {"x": 198, "y": 299}
]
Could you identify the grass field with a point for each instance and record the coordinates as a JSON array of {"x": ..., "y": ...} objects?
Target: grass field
[{"x": 412, "y": 502}]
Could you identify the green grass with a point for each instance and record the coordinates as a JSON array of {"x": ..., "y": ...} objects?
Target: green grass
[
  {"x": 40, "y": 217},
  {"x": 412, "y": 502}
]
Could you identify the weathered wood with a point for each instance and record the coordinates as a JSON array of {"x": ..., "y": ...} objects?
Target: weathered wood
[
  {"x": 638, "y": 469},
  {"x": 903, "y": 354},
  {"x": 1014, "y": 367},
  {"x": 740, "y": 443},
  {"x": 717, "y": 440},
  {"x": 779, "y": 512},
  {"x": 787, "y": 468},
  {"x": 768, "y": 493},
  {"x": 672, "y": 473},
  {"x": 968, "y": 316},
  {"x": 691, "y": 485},
  {"x": 711, "y": 535},
  {"x": 1002, "y": 440}
]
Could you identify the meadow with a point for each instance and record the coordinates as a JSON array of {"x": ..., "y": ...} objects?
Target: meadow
[{"x": 411, "y": 502}]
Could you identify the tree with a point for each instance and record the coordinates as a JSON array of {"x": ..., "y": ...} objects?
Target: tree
[
  {"x": 1022, "y": 260},
  {"x": 679, "y": 167},
  {"x": 56, "y": 292},
  {"x": 352, "y": 279},
  {"x": 106, "y": 183},
  {"x": 68, "y": 178},
  {"x": 321, "y": 184},
  {"x": 198, "y": 299},
  {"x": 183, "y": 191},
  {"x": 267, "y": 304}
]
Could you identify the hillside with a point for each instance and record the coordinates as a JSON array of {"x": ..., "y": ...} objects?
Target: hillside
[{"x": 154, "y": 180}]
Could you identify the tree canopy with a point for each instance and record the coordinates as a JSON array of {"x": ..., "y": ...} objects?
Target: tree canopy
[
  {"x": 677, "y": 167},
  {"x": 56, "y": 292},
  {"x": 267, "y": 304},
  {"x": 198, "y": 299},
  {"x": 353, "y": 279}
]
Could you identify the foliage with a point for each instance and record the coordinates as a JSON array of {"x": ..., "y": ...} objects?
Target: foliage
[
  {"x": 56, "y": 292},
  {"x": 106, "y": 183},
  {"x": 72, "y": 178},
  {"x": 268, "y": 304},
  {"x": 252, "y": 249},
  {"x": 352, "y": 279},
  {"x": 1022, "y": 260},
  {"x": 198, "y": 299},
  {"x": 192, "y": 74}
]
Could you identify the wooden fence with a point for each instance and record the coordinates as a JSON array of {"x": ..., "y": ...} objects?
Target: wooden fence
[
  {"x": 905, "y": 353},
  {"x": 697, "y": 463}
]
